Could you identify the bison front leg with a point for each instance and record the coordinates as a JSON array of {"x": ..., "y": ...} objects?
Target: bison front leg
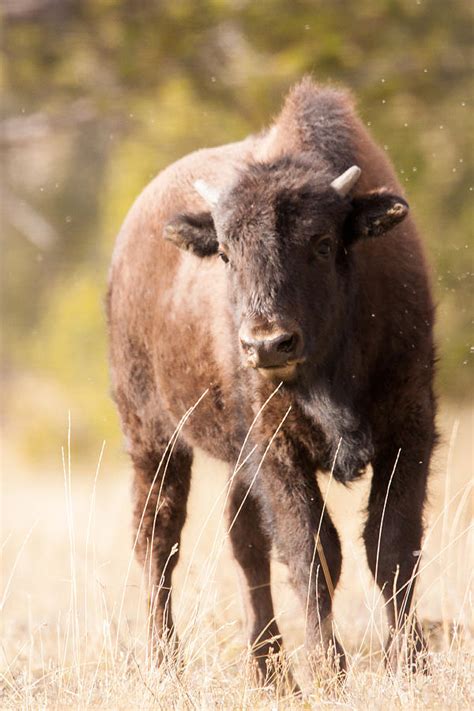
[
  {"x": 394, "y": 529},
  {"x": 309, "y": 545},
  {"x": 251, "y": 546}
]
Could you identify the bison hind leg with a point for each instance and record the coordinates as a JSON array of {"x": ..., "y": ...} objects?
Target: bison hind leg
[{"x": 162, "y": 476}]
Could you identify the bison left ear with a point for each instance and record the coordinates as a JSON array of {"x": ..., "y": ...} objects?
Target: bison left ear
[
  {"x": 193, "y": 233},
  {"x": 374, "y": 214}
]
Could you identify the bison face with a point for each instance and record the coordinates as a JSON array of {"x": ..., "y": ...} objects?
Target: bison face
[{"x": 284, "y": 233}]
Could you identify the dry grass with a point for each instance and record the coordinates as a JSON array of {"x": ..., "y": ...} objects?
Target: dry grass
[{"x": 73, "y": 626}]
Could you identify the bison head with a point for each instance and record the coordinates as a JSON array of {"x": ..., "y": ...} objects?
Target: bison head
[{"x": 285, "y": 232}]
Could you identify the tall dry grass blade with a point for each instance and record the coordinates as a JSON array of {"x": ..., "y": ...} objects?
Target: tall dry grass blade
[
  {"x": 225, "y": 492},
  {"x": 14, "y": 566},
  {"x": 73, "y": 608},
  {"x": 379, "y": 540},
  {"x": 140, "y": 524},
  {"x": 213, "y": 557},
  {"x": 318, "y": 547},
  {"x": 86, "y": 559},
  {"x": 444, "y": 528}
]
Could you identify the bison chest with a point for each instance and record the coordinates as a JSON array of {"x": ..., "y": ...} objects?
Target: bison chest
[{"x": 317, "y": 433}]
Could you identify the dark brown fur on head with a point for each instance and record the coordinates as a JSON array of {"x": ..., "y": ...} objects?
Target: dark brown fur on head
[{"x": 286, "y": 236}]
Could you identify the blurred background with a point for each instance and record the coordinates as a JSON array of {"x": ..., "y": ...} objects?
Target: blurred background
[{"x": 100, "y": 95}]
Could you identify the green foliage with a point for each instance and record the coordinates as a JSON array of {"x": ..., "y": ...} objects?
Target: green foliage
[{"x": 99, "y": 95}]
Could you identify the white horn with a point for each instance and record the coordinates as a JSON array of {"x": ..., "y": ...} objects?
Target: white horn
[
  {"x": 207, "y": 192},
  {"x": 345, "y": 182}
]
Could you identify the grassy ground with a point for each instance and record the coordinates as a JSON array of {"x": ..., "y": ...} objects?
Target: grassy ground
[{"x": 73, "y": 618}]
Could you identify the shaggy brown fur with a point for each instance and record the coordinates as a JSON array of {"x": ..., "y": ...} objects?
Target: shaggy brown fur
[{"x": 330, "y": 291}]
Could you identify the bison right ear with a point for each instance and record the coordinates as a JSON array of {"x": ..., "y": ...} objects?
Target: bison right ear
[{"x": 193, "y": 233}]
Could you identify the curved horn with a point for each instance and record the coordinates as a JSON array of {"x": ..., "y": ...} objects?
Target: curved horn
[
  {"x": 207, "y": 192},
  {"x": 345, "y": 182}
]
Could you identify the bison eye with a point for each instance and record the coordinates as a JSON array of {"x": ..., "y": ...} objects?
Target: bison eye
[
  {"x": 224, "y": 257},
  {"x": 323, "y": 247}
]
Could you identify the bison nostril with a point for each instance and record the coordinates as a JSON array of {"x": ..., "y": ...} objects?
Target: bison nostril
[{"x": 287, "y": 344}]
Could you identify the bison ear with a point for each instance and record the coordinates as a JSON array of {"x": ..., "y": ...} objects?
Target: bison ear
[
  {"x": 193, "y": 233},
  {"x": 374, "y": 214}
]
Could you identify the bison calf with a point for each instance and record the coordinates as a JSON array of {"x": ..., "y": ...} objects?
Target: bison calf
[{"x": 279, "y": 283}]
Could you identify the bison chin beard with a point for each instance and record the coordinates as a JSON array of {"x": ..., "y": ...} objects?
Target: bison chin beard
[{"x": 280, "y": 373}]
